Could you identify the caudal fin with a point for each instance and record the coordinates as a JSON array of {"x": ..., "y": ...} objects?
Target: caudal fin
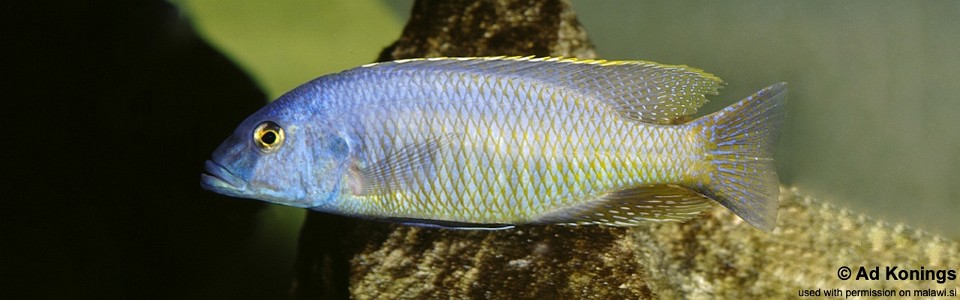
[{"x": 744, "y": 135}]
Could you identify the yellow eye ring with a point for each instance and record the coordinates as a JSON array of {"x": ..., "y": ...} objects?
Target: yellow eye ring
[{"x": 268, "y": 136}]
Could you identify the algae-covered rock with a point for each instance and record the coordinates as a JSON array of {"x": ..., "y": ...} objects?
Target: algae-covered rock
[
  {"x": 436, "y": 28},
  {"x": 490, "y": 28},
  {"x": 720, "y": 256},
  {"x": 715, "y": 255},
  {"x": 529, "y": 262}
]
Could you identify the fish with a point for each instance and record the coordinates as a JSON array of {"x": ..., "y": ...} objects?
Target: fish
[{"x": 489, "y": 143}]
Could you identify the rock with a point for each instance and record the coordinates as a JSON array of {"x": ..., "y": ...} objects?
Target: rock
[
  {"x": 436, "y": 28},
  {"x": 714, "y": 256},
  {"x": 491, "y": 28}
]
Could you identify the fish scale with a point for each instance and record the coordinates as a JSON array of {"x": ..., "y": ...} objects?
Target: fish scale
[
  {"x": 567, "y": 145},
  {"x": 486, "y": 143}
]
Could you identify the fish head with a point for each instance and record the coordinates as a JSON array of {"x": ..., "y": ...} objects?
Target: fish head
[{"x": 280, "y": 158}]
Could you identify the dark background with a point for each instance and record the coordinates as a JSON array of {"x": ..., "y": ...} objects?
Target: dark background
[{"x": 106, "y": 105}]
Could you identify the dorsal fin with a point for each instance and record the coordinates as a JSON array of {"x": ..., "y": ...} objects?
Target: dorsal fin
[
  {"x": 648, "y": 91},
  {"x": 632, "y": 206}
]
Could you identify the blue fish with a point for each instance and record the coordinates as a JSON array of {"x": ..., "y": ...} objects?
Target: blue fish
[{"x": 491, "y": 142}]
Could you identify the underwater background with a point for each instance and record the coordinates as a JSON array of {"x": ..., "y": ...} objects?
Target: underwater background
[
  {"x": 873, "y": 98},
  {"x": 873, "y": 84}
]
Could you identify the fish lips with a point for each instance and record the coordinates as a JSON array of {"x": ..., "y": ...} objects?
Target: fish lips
[{"x": 220, "y": 180}]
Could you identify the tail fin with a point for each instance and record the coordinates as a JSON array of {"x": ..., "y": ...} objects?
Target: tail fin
[{"x": 745, "y": 134}]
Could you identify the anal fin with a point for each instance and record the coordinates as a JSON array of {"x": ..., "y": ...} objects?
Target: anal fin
[{"x": 633, "y": 206}]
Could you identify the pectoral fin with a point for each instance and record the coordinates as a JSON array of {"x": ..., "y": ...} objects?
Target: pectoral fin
[
  {"x": 400, "y": 169},
  {"x": 630, "y": 207}
]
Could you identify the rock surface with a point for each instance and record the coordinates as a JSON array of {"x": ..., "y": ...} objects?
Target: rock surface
[
  {"x": 491, "y": 28},
  {"x": 714, "y": 256}
]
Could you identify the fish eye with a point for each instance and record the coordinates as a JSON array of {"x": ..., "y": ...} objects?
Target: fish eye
[{"x": 268, "y": 136}]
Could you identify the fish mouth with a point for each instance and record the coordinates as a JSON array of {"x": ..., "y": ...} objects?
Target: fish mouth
[{"x": 219, "y": 179}]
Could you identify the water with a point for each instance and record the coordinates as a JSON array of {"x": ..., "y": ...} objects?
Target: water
[
  {"x": 873, "y": 84},
  {"x": 874, "y": 88}
]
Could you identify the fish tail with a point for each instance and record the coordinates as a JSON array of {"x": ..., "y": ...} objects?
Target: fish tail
[{"x": 742, "y": 137}]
